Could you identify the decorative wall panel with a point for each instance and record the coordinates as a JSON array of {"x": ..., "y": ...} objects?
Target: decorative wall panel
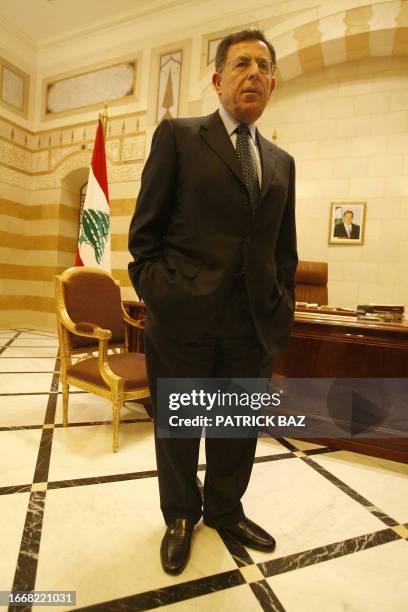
[
  {"x": 212, "y": 49},
  {"x": 13, "y": 88},
  {"x": 70, "y": 93},
  {"x": 45, "y": 163},
  {"x": 169, "y": 85},
  {"x": 133, "y": 148},
  {"x": 112, "y": 150},
  {"x": 39, "y": 162},
  {"x": 15, "y": 156},
  {"x": 57, "y": 155}
]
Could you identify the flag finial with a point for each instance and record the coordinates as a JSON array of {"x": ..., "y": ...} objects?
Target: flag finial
[{"x": 103, "y": 116}]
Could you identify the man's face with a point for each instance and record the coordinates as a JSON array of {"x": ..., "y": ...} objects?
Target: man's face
[
  {"x": 348, "y": 218},
  {"x": 244, "y": 94}
]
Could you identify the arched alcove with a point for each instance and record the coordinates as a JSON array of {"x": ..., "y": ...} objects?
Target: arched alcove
[{"x": 70, "y": 200}]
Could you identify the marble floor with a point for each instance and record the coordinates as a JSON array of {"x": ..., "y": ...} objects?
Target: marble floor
[{"x": 74, "y": 516}]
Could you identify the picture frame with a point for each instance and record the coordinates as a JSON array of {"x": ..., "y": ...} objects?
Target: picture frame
[{"x": 347, "y": 222}]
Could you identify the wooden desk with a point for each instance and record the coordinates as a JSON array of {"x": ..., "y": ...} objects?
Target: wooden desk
[
  {"x": 329, "y": 346},
  {"x": 344, "y": 347}
]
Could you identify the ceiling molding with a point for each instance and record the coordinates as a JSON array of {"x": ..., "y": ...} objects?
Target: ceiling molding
[
  {"x": 146, "y": 9},
  {"x": 17, "y": 32}
]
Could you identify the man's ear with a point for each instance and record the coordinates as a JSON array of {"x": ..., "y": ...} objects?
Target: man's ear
[
  {"x": 216, "y": 81},
  {"x": 273, "y": 83}
]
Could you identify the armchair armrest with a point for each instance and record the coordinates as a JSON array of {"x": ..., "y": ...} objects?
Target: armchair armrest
[
  {"x": 91, "y": 330},
  {"x": 133, "y": 322},
  {"x": 83, "y": 328}
]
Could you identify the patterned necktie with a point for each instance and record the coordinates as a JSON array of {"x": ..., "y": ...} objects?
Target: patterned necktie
[{"x": 248, "y": 164}]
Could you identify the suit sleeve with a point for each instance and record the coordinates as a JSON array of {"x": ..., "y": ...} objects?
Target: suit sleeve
[
  {"x": 154, "y": 205},
  {"x": 286, "y": 252}
]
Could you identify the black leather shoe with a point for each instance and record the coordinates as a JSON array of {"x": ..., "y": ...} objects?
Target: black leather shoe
[
  {"x": 175, "y": 546},
  {"x": 248, "y": 533}
]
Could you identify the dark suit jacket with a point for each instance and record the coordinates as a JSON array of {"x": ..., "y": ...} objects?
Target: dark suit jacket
[
  {"x": 193, "y": 232},
  {"x": 340, "y": 231}
]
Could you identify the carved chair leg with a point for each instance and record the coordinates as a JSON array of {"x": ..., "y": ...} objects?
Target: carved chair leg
[
  {"x": 115, "y": 422},
  {"x": 65, "y": 397}
]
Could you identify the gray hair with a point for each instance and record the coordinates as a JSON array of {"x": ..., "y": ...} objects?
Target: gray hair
[{"x": 237, "y": 37}]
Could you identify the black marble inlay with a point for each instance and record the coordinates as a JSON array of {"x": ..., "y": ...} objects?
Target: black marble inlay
[
  {"x": 44, "y": 453},
  {"x": 266, "y": 597},
  {"x": 319, "y": 451},
  {"x": 350, "y": 492},
  {"x": 95, "y": 480},
  {"x": 90, "y": 423},
  {"x": 8, "y": 343},
  {"x": 286, "y": 444},
  {"x": 15, "y": 489},
  {"x": 17, "y": 427},
  {"x": 137, "y": 420},
  {"x": 24, "y": 577},
  {"x": 325, "y": 553},
  {"x": 265, "y": 458},
  {"x": 238, "y": 552},
  {"x": 382, "y": 516},
  {"x": 55, "y": 378},
  {"x": 171, "y": 594}
]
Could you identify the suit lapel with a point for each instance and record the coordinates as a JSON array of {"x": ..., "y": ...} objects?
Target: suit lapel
[
  {"x": 215, "y": 135},
  {"x": 268, "y": 162}
]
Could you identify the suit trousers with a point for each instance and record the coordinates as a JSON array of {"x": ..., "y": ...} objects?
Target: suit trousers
[{"x": 232, "y": 349}]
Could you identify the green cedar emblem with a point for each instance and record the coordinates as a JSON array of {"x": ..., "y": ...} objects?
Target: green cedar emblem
[{"x": 95, "y": 231}]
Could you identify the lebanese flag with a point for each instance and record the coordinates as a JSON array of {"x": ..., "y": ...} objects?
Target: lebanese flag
[{"x": 94, "y": 232}]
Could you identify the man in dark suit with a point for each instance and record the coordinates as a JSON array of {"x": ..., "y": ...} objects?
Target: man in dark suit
[
  {"x": 347, "y": 229},
  {"x": 214, "y": 246}
]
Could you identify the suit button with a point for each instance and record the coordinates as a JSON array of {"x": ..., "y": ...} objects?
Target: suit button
[{"x": 247, "y": 239}]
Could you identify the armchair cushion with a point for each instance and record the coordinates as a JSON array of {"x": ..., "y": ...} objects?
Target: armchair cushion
[
  {"x": 96, "y": 298},
  {"x": 130, "y": 366}
]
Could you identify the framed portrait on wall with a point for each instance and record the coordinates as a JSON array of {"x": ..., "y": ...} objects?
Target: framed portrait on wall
[{"x": 347, "y": 222}]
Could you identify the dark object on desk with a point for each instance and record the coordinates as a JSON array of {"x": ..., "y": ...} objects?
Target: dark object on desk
[
  {"x": 311, "y": 282},
  {"x": 382, "y": 312}
]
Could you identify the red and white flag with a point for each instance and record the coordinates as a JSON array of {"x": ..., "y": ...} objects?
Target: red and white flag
[{"x": 94, "y": 232}]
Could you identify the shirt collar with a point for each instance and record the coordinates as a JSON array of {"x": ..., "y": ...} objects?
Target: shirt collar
[{"x": 231, "y": 124}]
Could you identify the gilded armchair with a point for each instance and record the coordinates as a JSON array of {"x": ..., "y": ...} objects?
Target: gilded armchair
[{"x": 91, "y": 318}]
